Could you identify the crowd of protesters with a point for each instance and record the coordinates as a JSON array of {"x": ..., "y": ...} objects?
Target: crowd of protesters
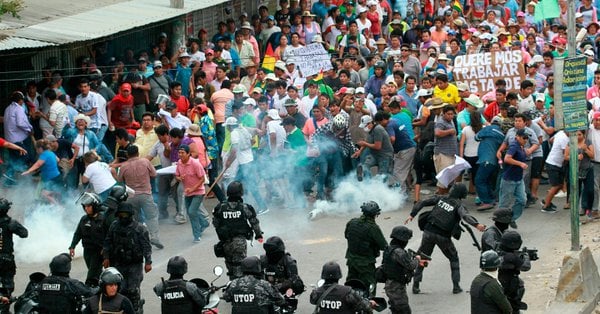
[{"x": 389, "y": 102}]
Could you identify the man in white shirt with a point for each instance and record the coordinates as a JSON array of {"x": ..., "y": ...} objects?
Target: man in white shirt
[
  {"x": 57, "y": 114},
  {"x": 173, "y": 118},
  {"x": 309, "y": 100},
  {"x": 554, "y": 168},
  {"x": 99, "y": 174},
  {"x": 276, "y": 132}
]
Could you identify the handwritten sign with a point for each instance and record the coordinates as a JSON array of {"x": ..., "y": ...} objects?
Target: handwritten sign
[
  {"x": 573, "y": 94},
  {"x": 311, "y": 59},
  {"x": 481, "y": 70}
]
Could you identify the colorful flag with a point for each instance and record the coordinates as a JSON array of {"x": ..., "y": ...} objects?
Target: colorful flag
[
  {"x": 456, "y": 6},
  {"x": 546, "y": 9},
  {"x": 269, "y": 60}
]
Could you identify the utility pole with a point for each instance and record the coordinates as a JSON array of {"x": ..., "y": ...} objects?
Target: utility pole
[{"x": 573, "y": 154}]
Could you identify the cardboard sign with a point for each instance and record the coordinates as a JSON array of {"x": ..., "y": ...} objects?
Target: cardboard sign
[
  {"x": 481, "y": 70},
  {"x": 311, "y": 59}
]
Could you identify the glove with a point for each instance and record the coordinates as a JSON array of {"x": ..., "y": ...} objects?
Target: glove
[
  {"x": 106, "y": 263},
  {"x": 147, "y": 267}
]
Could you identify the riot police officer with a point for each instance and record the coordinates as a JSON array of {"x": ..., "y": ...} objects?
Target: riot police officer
[
  {"x": 487, "y": 295},
  {"x": 399, "y": 267},
  {"x": 250, "y": 294},
  {"x": 127, "y": 248},
  {"x": 513, "y": 262},
  {"x": 178, "y": 295},
  {"x": 334, "y": 298},
  {"x": 439, "y": 227},
  {"x": 60, "y": 294},
  {"x": 108, "y": 300},
  {"x": 118, "y": 194},
  {"x": 365, "y": 240},
  {"x": 280, "y": 268},
  {"x": 235, "y": 222},
  {"x": 490, "y": 239},
  {"x": 8, "y": 227},
  {"x": 91, "y": 230}
]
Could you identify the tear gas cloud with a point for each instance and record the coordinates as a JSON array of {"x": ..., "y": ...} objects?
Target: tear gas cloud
[{"x": 50, "y": 227}]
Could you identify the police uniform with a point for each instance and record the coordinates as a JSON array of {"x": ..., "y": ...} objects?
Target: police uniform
[
  {"x": 283, "y": 273},
  {"x": 91, "y": 230},
  {"x": 438, "y": 230},
  {"x": 126, "y": 247},
  {"x": 487, "y": 296},
  {"x": 102, "y": 304},
  {"x": 61, "y": 295},
  {"x": 250, "y": 295},
  {"x": 179, "y": 296},
  {"x": 365, "y": 240},
  {"x": 508, "y": 274},
  {"x": 399, "y": 268},
  {"x": 490, "y": 239},
  {"x": 335, "y": 298},
  {"x": 8, "y": 227},
  {"x": 235, "y": 222}
]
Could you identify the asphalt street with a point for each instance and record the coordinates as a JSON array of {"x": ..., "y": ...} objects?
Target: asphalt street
[{"x": 314, "y": 242}]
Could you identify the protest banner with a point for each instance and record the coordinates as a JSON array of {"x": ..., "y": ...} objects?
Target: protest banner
[
  {"x": 481, "y": 70},
  {"x": 311, "y": 59}
]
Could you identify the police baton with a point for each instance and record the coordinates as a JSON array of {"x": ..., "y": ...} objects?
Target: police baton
[
  {"x": 470, "y": 231},
  {"x": 217, "y": 179}
]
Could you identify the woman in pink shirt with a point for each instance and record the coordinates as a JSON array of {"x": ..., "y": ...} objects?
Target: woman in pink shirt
[{"x": 191, "y": 174}]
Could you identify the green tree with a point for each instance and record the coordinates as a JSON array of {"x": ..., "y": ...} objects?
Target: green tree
[{"x": 12, "y": 7}]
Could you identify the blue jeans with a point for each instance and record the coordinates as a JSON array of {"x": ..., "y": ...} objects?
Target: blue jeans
[
  {"x": 100, "y": 132},
  {"x": 483, "y": 183},
  {"x": 197, "y": 220},
  {"x": 508, "y": 191},
  {"x": 330, "y": 170}
]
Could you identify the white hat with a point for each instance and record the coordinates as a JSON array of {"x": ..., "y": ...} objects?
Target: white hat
[
  {"x": 231, "y": 121},
  {"x": 476, "y": 34},
  {"x": 443, "y": 57},
  {"x": 487, "y": 36},
  {"x": 317, "y": 39},
  {"x": 540, "y": 97},
  {"x": 350, "y": 90},
  {"x": 424, "y": 92},
  {"x": 271, "y": 76},
  {"x": 578, "y": 15},
  {"x": 362, "y": 10},
  {"x": 184, "y": 55},
  {"x": 250, "y": 101},
  {"x": 474, "y": 101},
  {"x": 364, "y": 120},
  {"x": 462, "y": 86},
  {"x": 536, "y": 59},
  {"x": 280, "y": 65},
  {"x": 589, "y": 53},
  {"x": 359, "y": 90},
  {"x": 83, "y": 117},
  {"x": 273, "y": 114}
]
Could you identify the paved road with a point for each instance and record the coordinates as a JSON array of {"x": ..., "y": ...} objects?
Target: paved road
[{"x": 313, "y": 243}]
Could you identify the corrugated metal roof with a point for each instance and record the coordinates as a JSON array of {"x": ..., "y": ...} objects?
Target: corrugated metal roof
[
  {"x": 104, "y": 21},
  {"x": 9, "y": 43}
]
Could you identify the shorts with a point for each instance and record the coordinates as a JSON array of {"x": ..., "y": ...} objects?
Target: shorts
[
  {"x": 536, "y": 167},
  {"x": 442, "y": 161},
  {"x": 556, "y": 175}
]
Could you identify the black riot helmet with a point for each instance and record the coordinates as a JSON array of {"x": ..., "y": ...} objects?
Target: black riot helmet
[
  {"x": 458, "y": 191},
  {"x": 110, "y": 276},
  {"x": 119, "y": 193},
  {"x": 91, "y": 199},
  {"x": 124, "y": 213},
  {"x": 370, "y": 208},
  {"x": 251, "y": 265},
  {"x": 331, "y": 271},
  {"x": 489, "y": 260},
  {"x": 61, "y": 264},
  {"x": 4, "y": 206},
  {"x": 274, "y": 244},
  {"x": 177, "y": 266},
  {"x": 502, "y": 215},
  {"x": 235, "y": 189},
  {"x": 511, "y": 241},
  {"x": 401, "y": 233}
]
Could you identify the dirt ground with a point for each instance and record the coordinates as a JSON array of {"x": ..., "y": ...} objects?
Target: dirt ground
[{"x": 541, "y": 281}]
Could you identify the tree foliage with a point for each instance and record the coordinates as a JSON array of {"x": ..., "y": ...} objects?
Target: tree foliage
[{"x": 12, "y": 7}]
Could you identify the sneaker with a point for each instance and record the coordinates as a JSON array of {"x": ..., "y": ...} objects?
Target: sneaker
[
  {"x": 531, "y": 201},
  {"x": 551, "y": 204},
  {"x": 197, "y": 240},
  {"x": 478, "y": 202},
  {"x": 561, "y": 194},
  {"x": 359, "y": 173},
  {"x": 262, "y": 212},
  {"x": 157, "y": 243},
  {"x": 549, "y": 209},
  {"x": 180, "y": 219},
  {"x": 415, "y": 288},
  {"x": 457, "y": 289},
  {"x": 484, "y": 207}
]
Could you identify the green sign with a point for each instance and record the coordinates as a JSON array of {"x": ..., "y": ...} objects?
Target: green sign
[{"x": 573, "y": 94}]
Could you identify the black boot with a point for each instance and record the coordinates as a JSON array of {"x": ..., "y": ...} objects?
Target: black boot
[
  {"x": 456, "y": 289},
  {"x": 415, "y": 288}
]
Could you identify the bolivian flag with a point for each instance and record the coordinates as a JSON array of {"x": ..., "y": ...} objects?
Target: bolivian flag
[
  {"x": 456, "y": 6},
  {"x": 269, "y": 60}
]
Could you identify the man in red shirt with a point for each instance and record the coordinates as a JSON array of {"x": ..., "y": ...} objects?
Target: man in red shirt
[
  {"x": 183, "y": 104},
  {"x": 493, "y": 109},
  {"x": 191, "y": 174},
  {"x": 120, "y": 109}
]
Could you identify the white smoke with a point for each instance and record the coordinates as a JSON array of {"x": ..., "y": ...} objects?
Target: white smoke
[
  {"x": 351, "y": 194},
  {"x": 50, "y": 227}
]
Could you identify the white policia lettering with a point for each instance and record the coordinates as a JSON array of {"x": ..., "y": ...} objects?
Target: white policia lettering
[
  {"x": 246, "y": 298},
  {"x": 236, "y": 214},
  {"x": 326, "y": 304}
]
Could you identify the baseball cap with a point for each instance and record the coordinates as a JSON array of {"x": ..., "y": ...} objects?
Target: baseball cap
[
  {"x": 359, "y": 90},
  {"x": 522, "y": 133},
  {"x": 239, "y": 89},
  {"x": 290, "y": 103},
  {"x": 364, "y": 120},
  {"x": 231, "y": 121},
  {"x": 540, "y": 97},
  {"x": 184, "y": 55},
  {"x": 184, "y": 147},
  {"x": 423, "y": 92},
  {"x": 596, "y": 115},
  {"x": 578, "y": 15},
  {"x": 126, "y": 86},
  {"x": 157, "y": 64},
  {"x": 257, "y": 90},
  {"x": 589, "y": 53}
]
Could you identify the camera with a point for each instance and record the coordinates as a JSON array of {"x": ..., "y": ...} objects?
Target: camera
[{"x": 533, "y": 253}]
